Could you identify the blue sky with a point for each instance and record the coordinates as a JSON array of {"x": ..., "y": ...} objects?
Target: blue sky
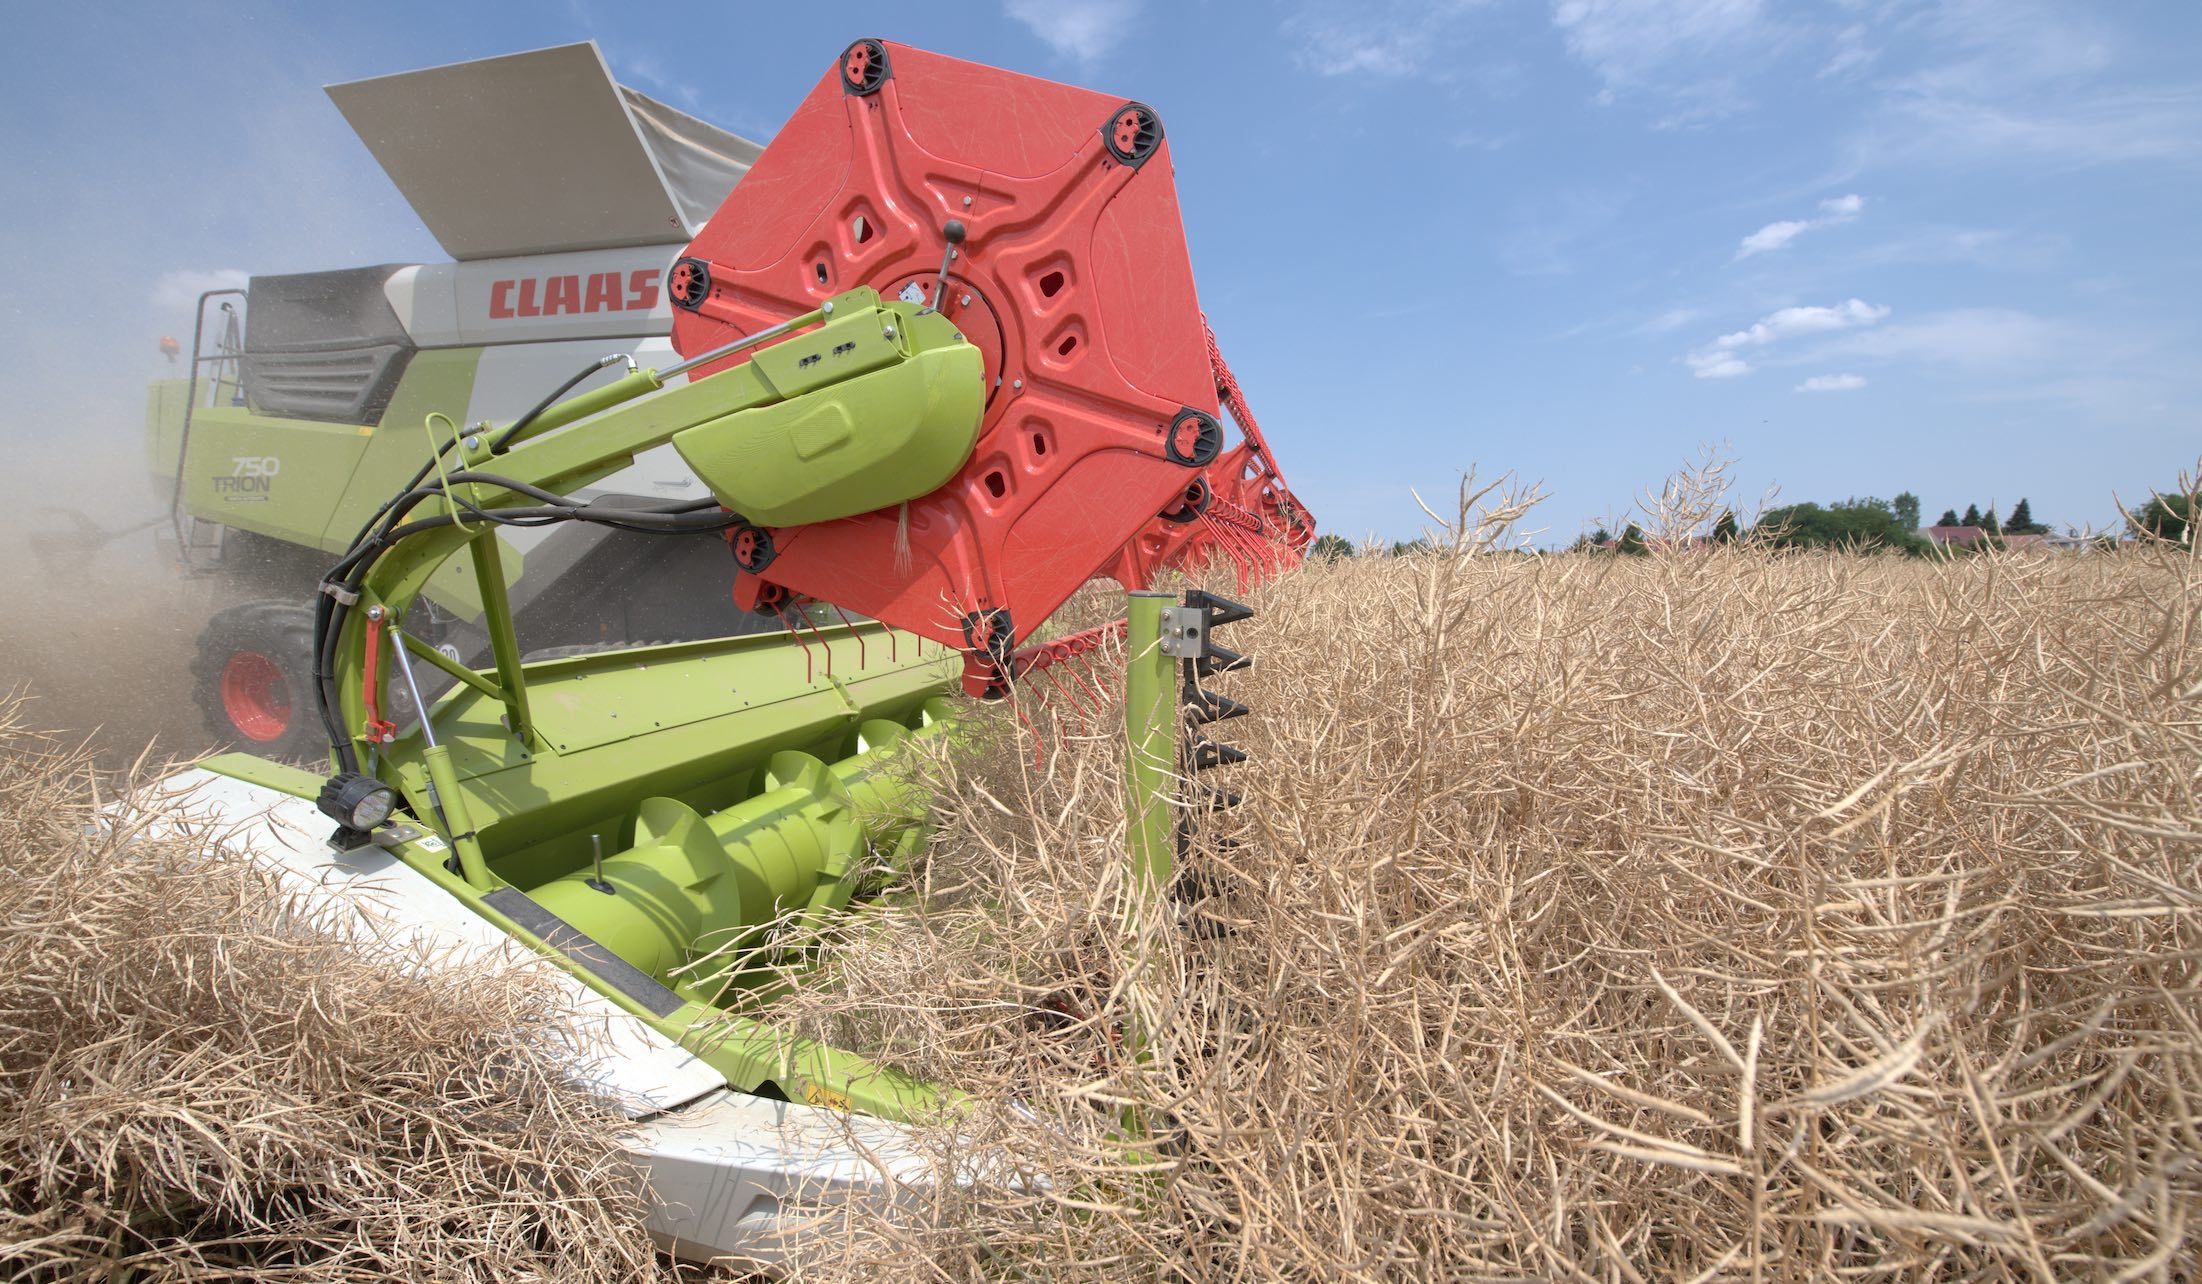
[{"x": 1868, "y": 245}]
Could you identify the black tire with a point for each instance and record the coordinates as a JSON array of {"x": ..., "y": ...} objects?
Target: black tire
[{"x": 253, "y": 679}]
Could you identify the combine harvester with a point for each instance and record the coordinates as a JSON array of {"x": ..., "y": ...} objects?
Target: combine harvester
[
  {"x": 305, "y": 396},
  {"x": 940, "y": 363}
]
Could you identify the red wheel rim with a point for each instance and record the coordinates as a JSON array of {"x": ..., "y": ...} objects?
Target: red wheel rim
[{"x": 255, "y": 696}]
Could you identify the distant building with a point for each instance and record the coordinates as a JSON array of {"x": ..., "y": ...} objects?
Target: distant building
[
  {"x": 1955, "y": 536},
  {"x": 1975, "y": 537}
]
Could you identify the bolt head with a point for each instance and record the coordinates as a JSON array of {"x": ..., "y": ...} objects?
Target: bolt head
[{"x": 1016, "y": 383}]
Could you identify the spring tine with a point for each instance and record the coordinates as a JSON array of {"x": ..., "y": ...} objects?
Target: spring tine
[
  {"x": 1070, "y": 698},
  {"x": 823, "y": 645},
  {"x": 789, "y": 625},
  {"x": 1100, "y": 701},
  {"x": 861, "y": 663}
]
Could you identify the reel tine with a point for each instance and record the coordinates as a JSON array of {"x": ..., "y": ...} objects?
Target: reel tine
[
  {"x": 861, "y": 663},
  {"x": 809, "y": 674}
]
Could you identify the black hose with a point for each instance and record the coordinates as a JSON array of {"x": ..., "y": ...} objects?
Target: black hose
[
  {"x": 369, "y": 544},
  {"x": 499, "y": 444},
  {"x": 689, "y": 517}
]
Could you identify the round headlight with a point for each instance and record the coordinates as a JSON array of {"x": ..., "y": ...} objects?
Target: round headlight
[{"x": 356, "y": 801}]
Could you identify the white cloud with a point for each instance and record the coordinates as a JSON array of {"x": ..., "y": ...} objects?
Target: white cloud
[
  {"x": 1775, "y": 236},
  {"x": 1671, "y": 319},
  {"x": 2030, "y": 82},
  {"x": 1375, "y": 37},
  {"x": 1851, "y": 53},
  {"x": 1626, "y": 40},
  {"x": 181, "y": 289},
  {"x": 1722, "y": 358},
  {"x": 1081, "y": 30},
  {"x": 1772, "y": 237},
  {"x": 1791, "y": 322},
  {"x": 1972, "y": 338},
  {"x": 1717, "y": 365},
  {"x": 1833, "y": 383},
  {"x": 1688, "y": 51}
]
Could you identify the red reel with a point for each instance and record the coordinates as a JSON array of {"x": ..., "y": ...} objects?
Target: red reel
[{"x": 1072, "y": 279}]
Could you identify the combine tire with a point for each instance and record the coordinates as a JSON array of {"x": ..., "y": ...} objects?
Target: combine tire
[{"x": 253, "y": 678}]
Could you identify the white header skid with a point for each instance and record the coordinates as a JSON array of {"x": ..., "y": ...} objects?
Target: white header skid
[{"x": 729, "y": 1174}]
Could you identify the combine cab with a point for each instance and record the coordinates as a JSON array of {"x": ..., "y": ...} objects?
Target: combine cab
[
  {"x": 936, "y": 361},
  {"x": 311, "y": 397}
]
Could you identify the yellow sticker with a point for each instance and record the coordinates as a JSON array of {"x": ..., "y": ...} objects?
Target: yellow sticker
[{"x": 815, "y": 1095}]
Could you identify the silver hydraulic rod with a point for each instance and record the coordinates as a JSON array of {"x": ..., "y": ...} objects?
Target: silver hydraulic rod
[
  {"x": 729, "y": 349},
  {"x": 466, "y": 846},
  {"x": 951, "y": 234},
  {"x": 420, "y": 706}
]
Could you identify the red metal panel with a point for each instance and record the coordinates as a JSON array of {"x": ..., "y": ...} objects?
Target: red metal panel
[{"x": 1073, "y": 280}]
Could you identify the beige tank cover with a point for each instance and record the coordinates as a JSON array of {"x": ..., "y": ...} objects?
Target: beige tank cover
[{"x": 539, "y": 152}]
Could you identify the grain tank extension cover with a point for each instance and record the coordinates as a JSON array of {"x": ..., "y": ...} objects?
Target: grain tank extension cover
[{"x": 540, "y": 152}]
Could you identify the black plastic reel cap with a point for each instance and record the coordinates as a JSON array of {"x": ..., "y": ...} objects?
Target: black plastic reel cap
[
  {"x": 773, "y": 601},
  {"x": 1194, "y": 438},
  {"x": 752, "y": 546},
  {"x": 1190, "y": 505},
  {"x": 1132, "y": 133},
  {"x": 989, "y": 633},
  {"x": 688, "y": 283},
  {"x": 864, "y": 68}
]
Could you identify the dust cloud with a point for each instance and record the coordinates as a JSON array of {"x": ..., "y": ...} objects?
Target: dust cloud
[
  {"x": 98, "y": 617},
  {"x": 129, "y": 194}
]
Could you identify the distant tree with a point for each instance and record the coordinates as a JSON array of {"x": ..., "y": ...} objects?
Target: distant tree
[
  {"x": 1724, "y": 530},
  {"x": 1331, "y": 547},
  {"x": 1906, "y": 505},
  {"x": 2165, "y": 517},
  {"x": 1948, "y": 518},
  {"x": 2021, "y": 521},
  {"x": 1594, "y": 542},
  {"x": 1601, "y": 536},
  {"x": 1632, "y": 541},
  {"x": 1852, "y": 523},
  {"x": 1989, "y": 523},
  {"x": 1410, "y": 547},
  {"x": 1972, "y": 516}
]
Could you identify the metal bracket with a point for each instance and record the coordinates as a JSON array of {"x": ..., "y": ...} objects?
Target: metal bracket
[{"x": 1184, "y": 632}]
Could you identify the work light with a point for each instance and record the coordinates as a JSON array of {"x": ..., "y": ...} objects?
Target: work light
[{"x": 357, "y": 802}]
